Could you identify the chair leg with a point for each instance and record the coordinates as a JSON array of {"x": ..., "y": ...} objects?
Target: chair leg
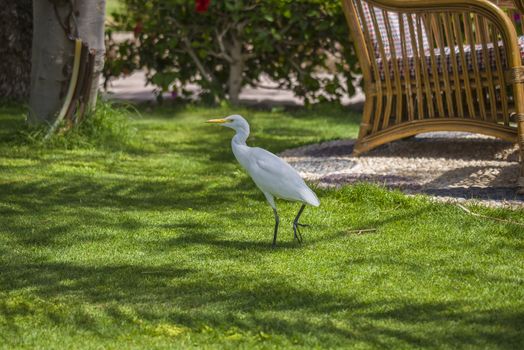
[
  {"x": 365, "y": 124},
  {"x": 520, "y": 126}
]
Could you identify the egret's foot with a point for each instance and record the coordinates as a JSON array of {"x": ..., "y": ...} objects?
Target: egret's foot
[
  {"x": 296, "y": 225},
  {"x": 296, "y": 232}
]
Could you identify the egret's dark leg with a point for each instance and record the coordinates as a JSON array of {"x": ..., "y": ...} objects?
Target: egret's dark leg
[
  {"x": 296, "y": 225},
  {"x": 277, "y": 220}
]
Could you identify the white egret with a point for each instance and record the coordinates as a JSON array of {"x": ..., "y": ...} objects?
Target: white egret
[{"x": 272, "y": 175}]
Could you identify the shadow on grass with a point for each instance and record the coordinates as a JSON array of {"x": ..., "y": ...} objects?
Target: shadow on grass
[
  {"x": 186, "y": 291},
  {"x": 210, "y": 239},
  {"x": 193, "y": 299}
]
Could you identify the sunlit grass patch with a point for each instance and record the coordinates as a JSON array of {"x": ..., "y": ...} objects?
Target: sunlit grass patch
[
  {"x": 108, "y": 127},
  {"x": 167, "y": 244}
]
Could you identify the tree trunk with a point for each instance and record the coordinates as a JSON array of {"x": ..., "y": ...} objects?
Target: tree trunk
[
  {"x": 16, "y": 27},
  {"x": 53, "y": 52},
  {"x": 51, "y": 62},
  {"x": 236, "y": 70},
  {"x": 91, "y": 18}
]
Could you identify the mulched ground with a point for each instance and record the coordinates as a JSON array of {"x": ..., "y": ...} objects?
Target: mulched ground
[{"x": 448, "y": 166}]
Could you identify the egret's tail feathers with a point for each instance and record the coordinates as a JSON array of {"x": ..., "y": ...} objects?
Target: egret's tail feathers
[{"x": 310, "y": 197}]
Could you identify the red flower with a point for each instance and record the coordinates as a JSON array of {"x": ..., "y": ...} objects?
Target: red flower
[
  {"x": 138, "y": 28},
  {"x": 201, "y": 5}
]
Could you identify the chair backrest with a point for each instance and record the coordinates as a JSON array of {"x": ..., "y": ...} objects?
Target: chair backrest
[{"x": 386, "y": 26}]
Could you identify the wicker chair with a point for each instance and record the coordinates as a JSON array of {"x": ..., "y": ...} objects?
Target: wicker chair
[{"x": 439, "y": 65}]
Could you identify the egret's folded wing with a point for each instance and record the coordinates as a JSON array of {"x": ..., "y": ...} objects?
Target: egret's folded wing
[
  {"x": 275, "y": 176},
  {"x": 274, "y": 166}
]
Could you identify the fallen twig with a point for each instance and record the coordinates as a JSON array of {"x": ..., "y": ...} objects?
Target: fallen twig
[
  {"x": 362, "y": 230},
  {"x": 489, "y": 217}
]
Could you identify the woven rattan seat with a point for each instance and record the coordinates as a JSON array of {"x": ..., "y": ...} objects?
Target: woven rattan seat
[{"x": 464, "y": 59}]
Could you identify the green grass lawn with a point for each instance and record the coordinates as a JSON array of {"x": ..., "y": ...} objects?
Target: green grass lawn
[{"x": 165, "y": 243}]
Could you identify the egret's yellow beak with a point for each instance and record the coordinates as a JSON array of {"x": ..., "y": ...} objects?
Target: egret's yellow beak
[{"x": 218, "y": 121}]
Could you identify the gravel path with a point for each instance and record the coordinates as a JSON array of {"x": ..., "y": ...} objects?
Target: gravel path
[{"x": 447, "y": 166}]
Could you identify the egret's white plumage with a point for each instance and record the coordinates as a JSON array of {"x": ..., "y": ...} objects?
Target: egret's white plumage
[{"x": 274, "y": 176}]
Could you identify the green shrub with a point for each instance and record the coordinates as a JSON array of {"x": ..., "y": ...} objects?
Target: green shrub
[
  {"x": 233, "y": 44},
  {"x": 107, "y": 127}
]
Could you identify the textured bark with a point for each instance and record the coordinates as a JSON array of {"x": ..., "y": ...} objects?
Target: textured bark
[
  {"x": 52, "y": 57},
  {"x": 51, "y": 61},
  {"x": 236, "y": 69},
  {"x": 91, "y": 17},
  {"x": 16, "y": 26}
]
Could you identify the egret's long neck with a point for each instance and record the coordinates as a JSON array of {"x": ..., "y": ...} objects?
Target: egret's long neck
[
  {"x": 240, "y": 149},
  {"x": 240, "y": 137}
]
